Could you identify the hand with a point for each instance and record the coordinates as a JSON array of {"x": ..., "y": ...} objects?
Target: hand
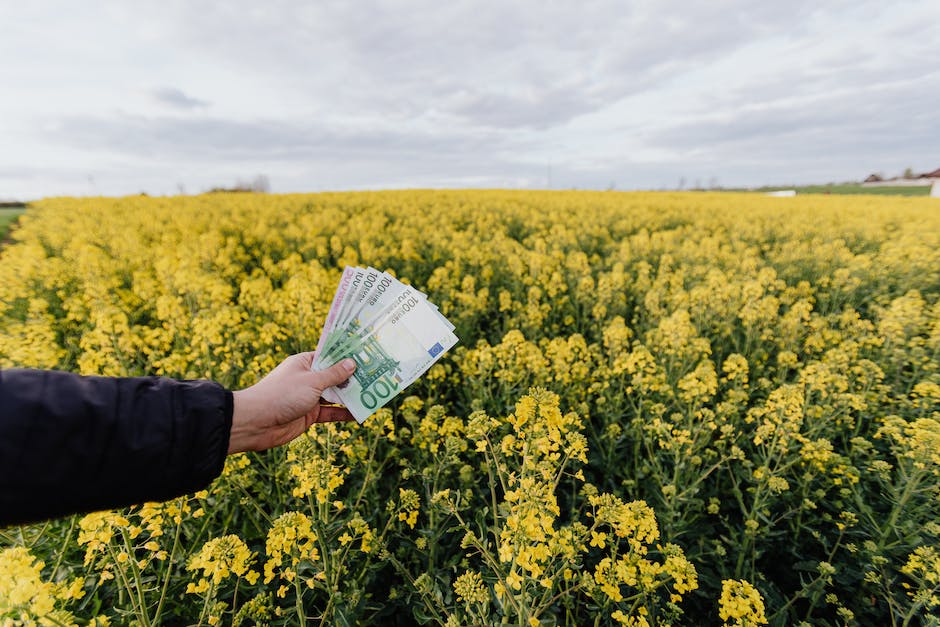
[{"x": 285, "y": 403}]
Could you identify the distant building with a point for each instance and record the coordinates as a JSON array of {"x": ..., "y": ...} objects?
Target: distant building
[{"x": 912, "y": 180}]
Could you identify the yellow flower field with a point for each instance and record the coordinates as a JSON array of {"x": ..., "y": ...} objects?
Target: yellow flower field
[{"x": 665, "y": 408}]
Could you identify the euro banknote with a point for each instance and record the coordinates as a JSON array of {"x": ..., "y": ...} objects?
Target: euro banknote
[{"x": 392, "y": 332}]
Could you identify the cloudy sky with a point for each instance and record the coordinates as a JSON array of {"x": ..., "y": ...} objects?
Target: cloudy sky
[{"x": 122, "y": 97}]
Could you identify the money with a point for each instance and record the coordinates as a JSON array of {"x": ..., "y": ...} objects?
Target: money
[{"x": 392, "y": 332}]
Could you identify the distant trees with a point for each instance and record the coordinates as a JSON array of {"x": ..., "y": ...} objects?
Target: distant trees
[{"x": 260, "y": 185}]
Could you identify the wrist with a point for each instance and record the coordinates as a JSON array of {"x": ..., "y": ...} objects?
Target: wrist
[{"x": 243, "y": 437}]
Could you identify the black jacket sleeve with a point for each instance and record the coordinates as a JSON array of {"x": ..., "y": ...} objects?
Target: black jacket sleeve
[{"x": 72, "y": 444}]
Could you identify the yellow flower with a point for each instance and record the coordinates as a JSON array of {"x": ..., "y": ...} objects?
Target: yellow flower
[
  {"x": 291, "y": 537},
  {"x": 408, "y": 503},
  {"x": 314, "y": 475},
  {"x": 23, "y": 593},
  {"x": 218, "y": 559},
  {"x": 96, "y": 531},
  {"x": 923, "y": 567},
  {"x": 469, "y": 588},
  {"x": 514, "y": 581},
  {"x": 740, "y": 604}
]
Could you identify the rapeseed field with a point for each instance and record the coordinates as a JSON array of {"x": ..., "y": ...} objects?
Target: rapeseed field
[{"x": 665, "y": 409}]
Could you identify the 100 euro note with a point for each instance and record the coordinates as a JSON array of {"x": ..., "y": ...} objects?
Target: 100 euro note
[
  {"x": 392, "y": 332},
  {"x": 380, "y": 297},
  {"x": 354, "y": 286}
]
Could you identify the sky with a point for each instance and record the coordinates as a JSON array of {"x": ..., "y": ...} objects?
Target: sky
[{"x": 114, "y": 98}]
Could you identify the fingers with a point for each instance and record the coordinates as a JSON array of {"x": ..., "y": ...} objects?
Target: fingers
[
  {"x": 304, "y": 359},
  {"x": 335, "y": 374},
  {"x": 332, "y": 413}
]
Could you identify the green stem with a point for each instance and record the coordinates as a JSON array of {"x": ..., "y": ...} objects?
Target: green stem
[
  {"x": 205, "y": 605},
  {"x": 910, "y": 486},
  {"x": 138, "y": 585},
  {"x": 411, "y": 581},
  {"x": 124, "y": 579},
  {"x": 169, "y": 569},
  {"x": 492, "y": 563},
  {"x": 298, "y": 602},
  {"x": 68, "y": 537}
]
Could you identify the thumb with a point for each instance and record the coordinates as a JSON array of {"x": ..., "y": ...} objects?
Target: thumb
[{"x": 335, "y": 374}]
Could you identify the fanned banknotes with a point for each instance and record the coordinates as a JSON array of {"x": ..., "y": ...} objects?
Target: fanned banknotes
[{"x": 390, "y": 329}]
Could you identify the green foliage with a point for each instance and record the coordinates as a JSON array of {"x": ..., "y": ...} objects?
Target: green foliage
[{"x": 7, "y": 218}]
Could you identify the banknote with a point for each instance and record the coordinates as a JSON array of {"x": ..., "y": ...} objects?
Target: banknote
[
  {"x": 362, "y": 282},
  {"x": 342, "y": 327},
  {"x": 390, "y": 329},
  {"x": 387, "y": 299},
  {"x": 377, "y": 294},
  {"x": 394, "y": 337},
  {"x": 359, "y": 300},
  {"x": 337, "y": 302},
  {"x": 381, "y": 296}
]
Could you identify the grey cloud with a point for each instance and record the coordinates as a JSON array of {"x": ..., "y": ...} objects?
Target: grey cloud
[
  {"x": 538, "y": 110},
  {"x": 176, "y": 98},
  {"x": 511, "y": 65},
  {"x": 482, "y": 93},
  {"x": 843, "y": 136},
  {"x": 855, "y": 71},
  {"x": 278, "y": 141},
  {"x": 18, "y": 172},
  {"x": 879, "y": 114},
  {"x": 129, "y": 154}
]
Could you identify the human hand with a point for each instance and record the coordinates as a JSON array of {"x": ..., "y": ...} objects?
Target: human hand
[{"x": 285, "y": 403}]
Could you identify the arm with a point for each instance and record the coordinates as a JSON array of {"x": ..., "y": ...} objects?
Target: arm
[{"x": 72, "y": 444}]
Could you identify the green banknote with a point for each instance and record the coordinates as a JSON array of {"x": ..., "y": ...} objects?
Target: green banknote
[{"x": 390, "y": 329}]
